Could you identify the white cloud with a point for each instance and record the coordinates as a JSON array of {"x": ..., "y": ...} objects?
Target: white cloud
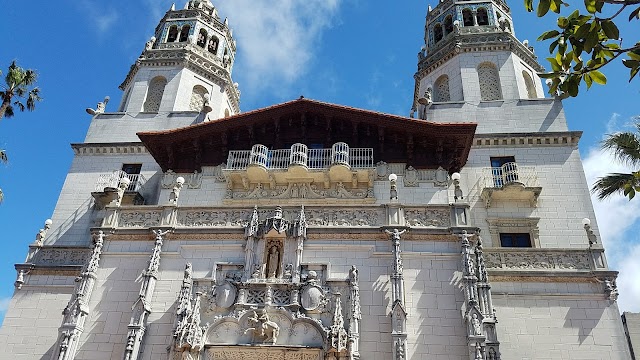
[
  {"x": 102, "y": 18},
  {"x": 618, "y": 223},
  {"x": 277, "y": 39}
]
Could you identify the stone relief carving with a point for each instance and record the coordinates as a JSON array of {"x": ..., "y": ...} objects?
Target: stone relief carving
[
  {"x": 299, "y": 191},
  {"x": 418, "y": 217},
  {"x": 538, "y": 260},
  {"x": 60, "y": 257},
  {"x": 263, "y": 329},
  {"x": 139, "y": 219}
]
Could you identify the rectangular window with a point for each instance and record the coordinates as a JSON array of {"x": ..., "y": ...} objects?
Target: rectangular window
[
  {"x": 515, "y": 240},
  {"x": 504, "y": 170},
  {"x": 132, "y": 170}
]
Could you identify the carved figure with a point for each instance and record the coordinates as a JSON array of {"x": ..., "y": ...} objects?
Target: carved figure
[
  {"x": 353, "y": 275},
  {"x": 257, "y": 271},
  {"x": 273, "y": 262},
  {"x": 395, "y": 234},
  {"x": 288, "y": 271},
  {"x": 477, "y": 327},
  {"x": 100, "y": 107},
  {"x": 20, "y": 280},
  {"x": 263, "y": 327},
  {"x": 175, "y": 192},
  {"x": 149, "y": 45}
]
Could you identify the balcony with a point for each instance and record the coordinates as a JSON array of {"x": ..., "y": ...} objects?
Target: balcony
[
  {"x": 510, "y": 182},
  {"x": 106, "y": 188},
  {"x": 300, "y": 172}
]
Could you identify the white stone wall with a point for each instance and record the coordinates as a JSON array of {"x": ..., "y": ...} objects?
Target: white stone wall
[{"x": 122, "y": 128}]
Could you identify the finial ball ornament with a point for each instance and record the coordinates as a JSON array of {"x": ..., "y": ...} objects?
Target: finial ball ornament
[
  {"x": 586, "y": 222},
  {"x": 48, "y": 222},
  {"x": 393, "y": 177},
  {"x": 180, "y": 180}
]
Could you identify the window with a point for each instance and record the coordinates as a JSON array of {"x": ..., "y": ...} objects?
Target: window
[
  {"x": 515, "y": 240},
  {"x": 489, "y": 82},
  {"x": 173, "y": 34},
  {"x": 531, "y": 88},
  {"x": 482, "y": 16},
  {"x": 437, "y": 32},
  {"x": 448, "y": 25},
  {"x": 132, "y": 171},
  {"x": 441, "y": 89},
  {"x": 199, "y": 97},
  {"x": 213, "y": 45},
  {"x": 202, "y": 38},
  {"x": 184, "y": 33},
  {"x": 504, "y": 170},
  {"x": 467, "y": 17},
  {"x": 154, "y": 94},
  {"x": 514, "y": 232}
]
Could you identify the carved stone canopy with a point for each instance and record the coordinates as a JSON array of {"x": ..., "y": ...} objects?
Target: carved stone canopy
[{"x": 423, "y": 144}]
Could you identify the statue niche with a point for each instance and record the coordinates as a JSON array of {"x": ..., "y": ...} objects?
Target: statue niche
[{"x": 273, "y": 258}]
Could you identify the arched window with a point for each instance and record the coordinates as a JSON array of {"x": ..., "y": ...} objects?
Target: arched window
[
  {"x": 437, "y": 32},
  {"x": 184, "y": 33},
  {"x": 531, "y": 88},
  {"x": 154, "y": 94},
  {"x": 173, "y": 34},
  {"x": 489, "y": 82},
  {"x": 467, "y": 17},
  {"x": 448, "y": 25},
  {"x": 202, "y": 38},
  {"x": 199, "y": 96},
  {"x": 213, "y": 45},
  {"x": 441, "y": 89},
  {"x": 482, "y": 16}
]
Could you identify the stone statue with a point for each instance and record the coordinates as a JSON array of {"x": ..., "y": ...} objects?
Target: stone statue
[
  {"x": 353, "y": 275},
  {"x": 175, "y": 192},
  {"x": 100, "y": 107},
  {"x": 149, "y": 45},
  {"x": 257, "y": 271},
  {"x": 288, "y": 271},
  {"x": 263, "y": 327},
  {"x": 429, "y": 96},
  {"x": 395, "y": 235},
  {"x": 273, "y": 262},
  {"x": 20, "y": 280},
  {"x": 477, "y": 327}
]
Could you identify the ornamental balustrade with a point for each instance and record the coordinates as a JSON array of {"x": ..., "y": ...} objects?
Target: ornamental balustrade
[
  {"x": 509, "y": 173},
  {"x": 300, "y": 155},
  {"x": 111, "y": 181}
]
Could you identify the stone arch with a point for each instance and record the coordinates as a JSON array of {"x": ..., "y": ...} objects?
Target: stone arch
[
  {"x": 441, "y": 89},
  {"x": 437, "y": 33},
  {"x": 448, "y": 25},
  {"x": 212, "y": 46},
  {"x": 199, "y": 97},
  {"x": 531, "y": 88},
  {"x": 202, "y": 38},
  {"x": 482, "y": 16},
  {"x": 467, "y": 17},
  {"x": 184, "y": 33},
  {"x": 172, "y": 34},
  {"x": 293, "y": 331},
  {"x": 489, "y": 79},
  {"x": 154, "y": 94}
]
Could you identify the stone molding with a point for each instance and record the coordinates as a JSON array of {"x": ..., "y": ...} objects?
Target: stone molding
[
  {"x": 528, "y": 260},
  {"x": 514, "y": 225},
  {"x": 108, "y": 149},
  {"x": 570, "y": 138}
]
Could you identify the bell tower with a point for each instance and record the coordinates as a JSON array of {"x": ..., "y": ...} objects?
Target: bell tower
[
  {"x": 185, "y": 66},
  {"x": 472, "y": 59}
]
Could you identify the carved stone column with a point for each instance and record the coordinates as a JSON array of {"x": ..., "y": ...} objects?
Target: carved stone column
[
  {"x": 300, "y": 234},
  {"x": 479, "y": 316},
  {"x": 251, "y": 233},
  {"x": 77, "y": 311},
  {"x": 355, "y": 315},
  {"x": 188, "y": 334},
  {"x": 142, "y": 307},
  {"x": 398, "y": 312}
]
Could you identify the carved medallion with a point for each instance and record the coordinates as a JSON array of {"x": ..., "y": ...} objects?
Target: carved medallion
[
  {"x": 311, "y": 298},
  {"x": 225, "y": 295}
]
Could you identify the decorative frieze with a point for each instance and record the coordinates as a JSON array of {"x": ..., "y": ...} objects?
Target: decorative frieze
[
  {"x": 537, "y": 259},
  {"x": 58, "y": 256},
  {"x": 139, "y": 219},
  {"x": 428, "y": 217}
]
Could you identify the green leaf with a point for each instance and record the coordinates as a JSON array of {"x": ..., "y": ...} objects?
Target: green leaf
[
  {"x": 548, "y": 35},
  {"x": 635, "y": 55},
  {"x": 548, "y": 75},
  {"x": 631, "y": 63},
  {"x": 633, "y": 73},
  {"x": 555, "y": 6},
  {"x": 610, "y": 29},
  {"x": 632, "y": 194},
  {"x": 598, "y": 77},
  {"x": 554, "y": 64},
  {"x": 543, "y": 7},
  {"x": 582, "y": 31},
  {"x": 572, "y": 86},
  {"x": 599, "y": 5},
  {"x": 563, "y": 22},
  {"x": 590, "y": 5},
  {"x": 574, "y": 15},
  {"x": 552, "y": 47},
  {"x": 587, "y": 79},
  {"x": 528, "y": 4}
]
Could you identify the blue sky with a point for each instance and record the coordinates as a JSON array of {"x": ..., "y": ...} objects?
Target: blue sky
[{"x": 352, "y": 52}]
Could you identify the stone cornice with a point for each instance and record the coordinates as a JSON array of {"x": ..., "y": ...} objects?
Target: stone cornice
[
  {"x": 108, "y": 148},
  {"x": 543, "y": 139}
]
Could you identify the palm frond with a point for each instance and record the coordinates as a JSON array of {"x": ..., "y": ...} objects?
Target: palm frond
[
  {"x": 1, "y": 196},
  {"x": 9, "y": 112},
  {"x": 3, "y": 156},
  {"x": 19, "y": 105},
  {"x": 612, "y": 184},
  {"x": 625, "y": 147},
  {"x": 34, "y": 96}
]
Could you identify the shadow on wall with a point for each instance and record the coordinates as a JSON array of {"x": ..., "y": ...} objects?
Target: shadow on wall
[{"x": 578, "y": 318}]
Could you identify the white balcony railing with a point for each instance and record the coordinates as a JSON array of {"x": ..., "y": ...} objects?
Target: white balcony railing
[
  {"x": 111, "y": 180},
  {"x": 299, "y": 154},
  {"x": 508, "y": 174}
]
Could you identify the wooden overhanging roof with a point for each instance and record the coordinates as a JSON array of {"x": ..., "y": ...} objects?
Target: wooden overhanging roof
[{"x": 419, "y": 143}]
